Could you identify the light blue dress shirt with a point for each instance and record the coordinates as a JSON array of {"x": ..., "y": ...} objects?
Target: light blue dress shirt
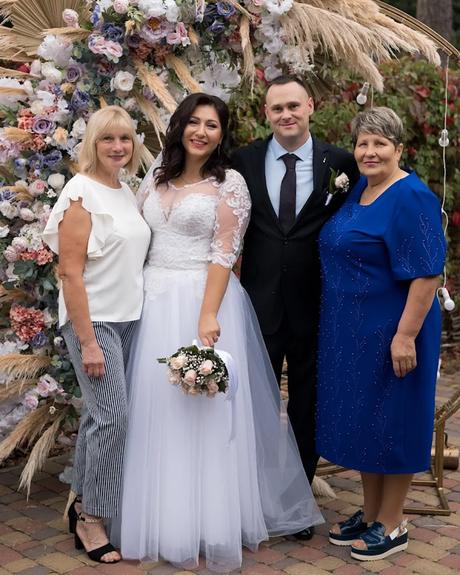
[{"x": 275, "y": 169}]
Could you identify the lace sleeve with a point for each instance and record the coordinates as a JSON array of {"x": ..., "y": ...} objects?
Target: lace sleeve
[{"x": 232, "y": 217}]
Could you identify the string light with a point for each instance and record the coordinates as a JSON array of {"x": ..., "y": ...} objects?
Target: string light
[
  {"x": 361, "y": 98},
  {"x": 443, "y": 295}
]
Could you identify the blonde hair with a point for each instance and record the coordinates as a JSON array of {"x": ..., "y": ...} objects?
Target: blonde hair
[{"x": 100, "y": 123}]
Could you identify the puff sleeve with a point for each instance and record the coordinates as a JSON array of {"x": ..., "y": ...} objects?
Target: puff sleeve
[
  {"x": 232, "y": 218},
  {"x": 102, "y": 223},
  {"x": 415, "y": 238}
]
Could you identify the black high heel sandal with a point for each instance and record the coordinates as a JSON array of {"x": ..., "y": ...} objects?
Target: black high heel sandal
[
  {"x": 95, "y": 554},
  {"x": 73, "y": 515}
]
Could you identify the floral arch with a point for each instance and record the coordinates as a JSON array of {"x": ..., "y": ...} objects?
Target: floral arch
[{"x": 63, "y": 59}]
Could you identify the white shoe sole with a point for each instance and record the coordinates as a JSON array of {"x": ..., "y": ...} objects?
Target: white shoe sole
[
  {"x": 340, "y": 543},
  {"x": 361, "y": 557}
]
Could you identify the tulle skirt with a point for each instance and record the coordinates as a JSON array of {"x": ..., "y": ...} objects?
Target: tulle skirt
[{"x": 204, "y": 476}]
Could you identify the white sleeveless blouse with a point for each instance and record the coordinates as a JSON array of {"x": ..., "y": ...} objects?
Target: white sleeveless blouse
[{"x": 117, "y": 247}]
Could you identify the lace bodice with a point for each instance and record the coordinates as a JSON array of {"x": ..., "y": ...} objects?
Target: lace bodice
[{"x": 198, "y": 223}]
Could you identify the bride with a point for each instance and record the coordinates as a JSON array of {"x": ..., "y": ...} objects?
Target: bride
[{"x": 203, "y": 475}]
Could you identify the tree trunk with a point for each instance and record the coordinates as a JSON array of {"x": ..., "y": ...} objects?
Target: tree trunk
[{"x": 437, "y": 14}]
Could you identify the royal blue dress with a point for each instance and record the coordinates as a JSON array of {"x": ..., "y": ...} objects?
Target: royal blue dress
[{"x": 367, "y": 418}]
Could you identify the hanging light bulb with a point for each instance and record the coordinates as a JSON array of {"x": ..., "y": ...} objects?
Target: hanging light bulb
[
  {"x": 444, "y": 139},
  {"x": 361, "y": 98}
]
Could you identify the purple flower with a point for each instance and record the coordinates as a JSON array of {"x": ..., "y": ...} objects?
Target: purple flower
[
  {"x": 74, "y": 72},
  {"x": 96, "y": 15},
  {"x": 112, "y": 32},
  {"x": 52, "y": 159},
  {"x": 79, "y": 100},
  {"x": 133, "y": 40},
  {"x": 36, "y": 161},
  {"x": 43, "y": 125},
  {"x": 216, "y": 27},
  {"x": 225, "y": 9},
  {"x": 6, "y": 195},
  {"x": 39, "y": 340}
]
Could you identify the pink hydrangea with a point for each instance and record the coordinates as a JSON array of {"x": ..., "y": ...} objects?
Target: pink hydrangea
[{"x": 26, "y": 322}]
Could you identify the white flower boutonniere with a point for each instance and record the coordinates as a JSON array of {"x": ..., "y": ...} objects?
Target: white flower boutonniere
[{"x": 338, "y": 184}]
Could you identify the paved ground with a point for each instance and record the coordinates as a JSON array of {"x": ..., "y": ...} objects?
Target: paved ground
[{"x": 34, "y": 541}]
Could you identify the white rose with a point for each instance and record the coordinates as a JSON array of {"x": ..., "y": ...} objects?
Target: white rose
[
  {"x": 342, "y": 181},
  {"x": 78, "y": 129},
  {"x": 51, "y": 73},
  {"x": 35, "y": 68},
  {"x": 172, "y": 10},
  {"x": 56, "y": 181},
  {"x": 70, "y": 17},
  {"x": 121, "y": 6},
  {"x": 152, "y": 8},
  {"x": 8, "y": 210},
  {"x": 37, "y": 107},
  {"x": 123, "y": 81},
  {"x": 26, "y": 215},
  {"x": 20, "y": 244},
  {"x": 4, "y": 231}
]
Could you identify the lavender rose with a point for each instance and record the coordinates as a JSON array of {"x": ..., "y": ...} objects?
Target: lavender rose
[
  {"x": 112, "y": 32},
  {"x": 225, "y": 9},
  {"x": 79, "y": 100},
  {"x": 43, "y": 125},
  {"x": 73, "y": 73}
]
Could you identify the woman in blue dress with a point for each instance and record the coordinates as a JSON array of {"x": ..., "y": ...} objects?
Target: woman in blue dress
[{"x": 381, "y": 255}]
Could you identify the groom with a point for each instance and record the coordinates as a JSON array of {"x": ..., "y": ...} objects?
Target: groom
[{"x": 288, "y": 176}]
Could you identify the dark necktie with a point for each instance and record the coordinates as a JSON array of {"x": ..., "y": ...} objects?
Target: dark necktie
[{"x": 286, "y": 213}]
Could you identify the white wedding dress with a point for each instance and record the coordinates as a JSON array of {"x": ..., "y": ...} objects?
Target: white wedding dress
[{"x": 204, "y": 476}]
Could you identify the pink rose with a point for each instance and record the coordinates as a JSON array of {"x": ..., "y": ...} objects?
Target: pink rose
[
  {"x": 190, "y": 377},
  {"x": 174, "y": 377},
  {"x": 10, "y": 254},
  {"x": 46, "y": 385},
  {"x": 26, "y": 215},
  {"x": 37, "y": 188},
  {"x": 206, "y": 367},
  {"x": 212, "y": 386},
  {"x": 70, "y": 17},
  {"x": 31, "y": 401},
  {"x": 121, "y": 6},
  {"x": 20, "y": 244},
  {"x": 178, "y": 362},
  {"x": 113, "y": 50}
]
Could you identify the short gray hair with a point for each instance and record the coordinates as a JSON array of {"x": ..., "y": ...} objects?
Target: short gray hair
[{"x": 380, "y": 120}]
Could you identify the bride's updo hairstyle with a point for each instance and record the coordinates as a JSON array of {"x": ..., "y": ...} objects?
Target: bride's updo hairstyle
[{"x": 173, "y": 162}]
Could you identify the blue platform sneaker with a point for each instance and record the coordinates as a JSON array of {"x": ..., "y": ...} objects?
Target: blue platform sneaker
[
  {"x": 380, "y": 545},
  {"x": 350, "y": 530}
]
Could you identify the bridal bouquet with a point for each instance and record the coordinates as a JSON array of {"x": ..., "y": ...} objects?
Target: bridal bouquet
[{"x": 197, "y": 370}]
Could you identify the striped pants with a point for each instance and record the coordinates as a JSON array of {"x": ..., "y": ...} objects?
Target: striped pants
[{"x": 98, "y": 461}]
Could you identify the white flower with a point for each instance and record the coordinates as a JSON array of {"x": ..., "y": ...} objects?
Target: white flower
[
  {"x": 152, "y": 8},
  {"x": 49, "y": 319},
  {"x": 35, "y": 68},
  {"x": 78, "y": 129},
  {"x": 11, "y": 100},
  {"x": 47, "y": 98},
  {"x": 342, "y": 181},
  {"x": 219, "y": 79},
  {"x": 51, "y": 73},
  {"x": 37, "y": 107},
  {"x": 52, "y": 410},
  {"x": 26, "y": 215},
  {"x": 20, "y": 244},
  {"x": 172, "y": 10},
  {"x": 9, "y": 272},
  {"x": 55, "y": 49},
  {"x": 8, "y": 210},
  {"x": 274, "y": 45},
  {"x": 123, "y": 81},
  {"x": 121, "y": 6},
  {"x": 4, "y": 231},
  {"x": 56, "y": 181},
  {"x": 278, "y": 7},
  {"x": 70, "y": 17}
]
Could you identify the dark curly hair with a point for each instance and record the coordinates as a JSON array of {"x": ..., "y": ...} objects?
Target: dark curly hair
[{"x": 173, "y": 162}]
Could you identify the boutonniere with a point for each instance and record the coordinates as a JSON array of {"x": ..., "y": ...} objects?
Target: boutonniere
[{"x": 338, "y": 184}]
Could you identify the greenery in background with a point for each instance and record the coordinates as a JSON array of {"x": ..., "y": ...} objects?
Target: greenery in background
[{"x": 415, "y": 90}]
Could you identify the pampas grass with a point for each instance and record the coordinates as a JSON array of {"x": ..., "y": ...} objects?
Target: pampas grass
[
  {"x": 249, "y": 69},
  {"x": 26, "y": 431},
  {"x": 16, "y": 388},
  {"x": 154, "y": 82},
  {"x": 40, "y": 451},
  {"x": 183, "y": 73},
  {"x": 21, "y": 366},
  {"x": 321, "y": 488}
]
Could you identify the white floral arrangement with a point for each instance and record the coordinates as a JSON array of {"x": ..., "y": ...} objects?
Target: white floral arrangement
[
  {"x": 197, "y": 371},
  {"x": 339, "y": 183}
]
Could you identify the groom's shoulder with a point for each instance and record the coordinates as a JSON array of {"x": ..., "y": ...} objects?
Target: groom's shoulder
[
  {"x": 250, "y": 149},
  {"x": 331, "y": 149}
]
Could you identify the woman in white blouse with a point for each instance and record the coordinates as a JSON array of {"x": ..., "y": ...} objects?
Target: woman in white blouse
[{"x": 102, "y": 241}]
